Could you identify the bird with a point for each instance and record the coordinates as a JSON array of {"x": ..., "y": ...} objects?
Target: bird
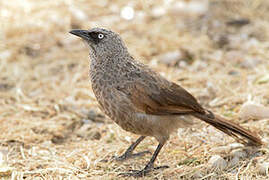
[{"x": 142, "y": 101}]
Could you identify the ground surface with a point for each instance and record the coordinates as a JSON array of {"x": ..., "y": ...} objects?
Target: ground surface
[{"x": 51, "y": 127}]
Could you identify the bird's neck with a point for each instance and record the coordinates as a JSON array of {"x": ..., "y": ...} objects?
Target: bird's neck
[
  {"x": 112, "y": 65},
  {"x": 109, "y": 60}
]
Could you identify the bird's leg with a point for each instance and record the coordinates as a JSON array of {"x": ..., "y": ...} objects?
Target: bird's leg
[
  {"x": 149, "y": 167},
  {"x": 129, "y": 152}
]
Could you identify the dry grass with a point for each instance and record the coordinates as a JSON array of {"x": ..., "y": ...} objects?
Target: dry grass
[{"x": 50, "y": 122}]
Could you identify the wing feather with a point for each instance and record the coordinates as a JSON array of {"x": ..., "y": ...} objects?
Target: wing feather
[{"x": 153, "y": 94}]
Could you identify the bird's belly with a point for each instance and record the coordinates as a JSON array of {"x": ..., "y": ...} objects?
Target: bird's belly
[{"x": 153, "y": 125}]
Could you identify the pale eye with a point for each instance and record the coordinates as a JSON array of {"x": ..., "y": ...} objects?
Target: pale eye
[{"x": 100, "y": 36}]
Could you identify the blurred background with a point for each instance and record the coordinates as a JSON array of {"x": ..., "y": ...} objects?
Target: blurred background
[{"x": 51, "y": 124}]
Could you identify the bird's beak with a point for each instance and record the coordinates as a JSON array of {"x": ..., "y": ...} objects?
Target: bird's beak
[{"x": 80, "y": 33}]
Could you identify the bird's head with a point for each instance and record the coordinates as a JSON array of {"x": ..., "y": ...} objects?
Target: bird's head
[{"x": 101, "y": 41}]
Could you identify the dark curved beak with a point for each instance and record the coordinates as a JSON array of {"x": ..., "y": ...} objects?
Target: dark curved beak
[{"x": 80, "y": 33}]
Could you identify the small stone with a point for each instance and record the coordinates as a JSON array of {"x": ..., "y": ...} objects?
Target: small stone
[
  {"x": 239, "y": 153},
  {"x": 83, "y": 130},
  {"x": 170, "y": 58},
  {"x": 175, "y": 57},
  {"x": 128, "y": 138},
  {"x": 127, "y": 13},
  {"x": 58, "y": 138},
  {"x": 94, "y": 135},
  {"x": 217, "y": 162},
  {"x": 87, "y": 131},
  {"x": 78, "y": 13},
  {"x": 251, "y": 110},
  {"x": 234, "y": 161},
  {"x": 197, "y": 175},
  {"x": 94, "y": 116},
  {"x": 249, "y": 62},
  {"x": 263, "y": 168}
]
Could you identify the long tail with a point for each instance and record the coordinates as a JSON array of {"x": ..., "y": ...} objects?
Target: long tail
[{"x": 234, "y": 130}]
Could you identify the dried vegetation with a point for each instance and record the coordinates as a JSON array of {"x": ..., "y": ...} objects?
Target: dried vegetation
[{"x": 50, "y": 122}]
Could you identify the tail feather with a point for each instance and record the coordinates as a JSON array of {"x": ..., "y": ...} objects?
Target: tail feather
[{"x": 232, "y": 129}]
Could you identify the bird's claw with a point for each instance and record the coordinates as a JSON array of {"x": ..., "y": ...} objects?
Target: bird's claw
[{"x": 143, "y": 172}]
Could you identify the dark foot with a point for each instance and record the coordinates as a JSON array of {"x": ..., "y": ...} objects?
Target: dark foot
[
  {"x": 143, "y": 172},
  {"x": 130, "y": 155}
]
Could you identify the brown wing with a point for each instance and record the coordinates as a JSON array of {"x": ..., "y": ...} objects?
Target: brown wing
[{"x": 153, "y": 94}]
